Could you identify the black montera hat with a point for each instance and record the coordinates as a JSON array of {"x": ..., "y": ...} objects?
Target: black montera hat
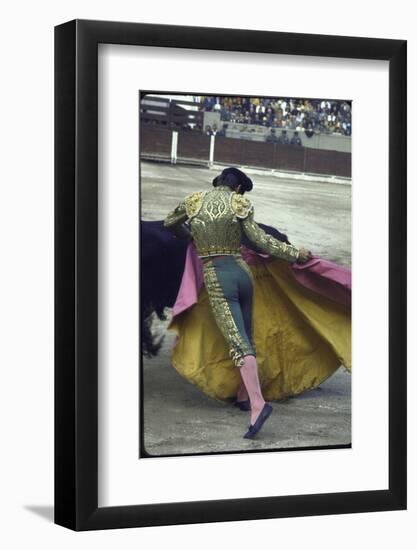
[{"x": 234, "y": 177}]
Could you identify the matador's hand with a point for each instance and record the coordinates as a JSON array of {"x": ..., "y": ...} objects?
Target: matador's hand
[{"x": 303, "y": 255}]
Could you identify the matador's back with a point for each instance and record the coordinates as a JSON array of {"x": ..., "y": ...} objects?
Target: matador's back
[
  {"x": 217, "y": 219},
  {"x": 214, "y": 222}
]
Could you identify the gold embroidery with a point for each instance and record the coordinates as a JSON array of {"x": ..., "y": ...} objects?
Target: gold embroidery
[
  {"x": 266, "y": 242},
  {"x": 176, "y": 217},
  {"x": 224, "y": 319},
  {"x": 241, "y": 206},
  {"x": 193, "y": 203},
  {"x": 217, "y": 207}
]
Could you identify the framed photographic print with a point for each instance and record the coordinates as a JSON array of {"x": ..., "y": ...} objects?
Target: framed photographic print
[{"x": 230, "y": 274}]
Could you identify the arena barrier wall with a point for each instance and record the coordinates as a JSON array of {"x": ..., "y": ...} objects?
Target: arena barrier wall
[{"x": 194, "y": 147}]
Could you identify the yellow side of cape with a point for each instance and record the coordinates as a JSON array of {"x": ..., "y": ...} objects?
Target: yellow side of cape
[{"x": 301, "y": 338}]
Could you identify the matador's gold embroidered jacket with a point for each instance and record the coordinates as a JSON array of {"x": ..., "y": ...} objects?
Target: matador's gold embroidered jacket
[{"x": 217, "y": 219}]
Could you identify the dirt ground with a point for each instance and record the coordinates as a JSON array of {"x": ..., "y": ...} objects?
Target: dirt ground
[{"x": 178, "y": 417}]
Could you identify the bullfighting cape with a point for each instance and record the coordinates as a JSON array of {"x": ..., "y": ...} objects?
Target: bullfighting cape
[{"x": 301, "y": 320}]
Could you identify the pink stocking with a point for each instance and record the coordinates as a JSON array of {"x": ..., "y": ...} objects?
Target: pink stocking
[
  {"x": 249, "y": 374},
  {"x": 242, "y": 392}
]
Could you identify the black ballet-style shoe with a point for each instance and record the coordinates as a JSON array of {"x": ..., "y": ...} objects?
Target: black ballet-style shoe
[
  {"x": 242, "y": 405},
  {"x": 260, "y": 421}
]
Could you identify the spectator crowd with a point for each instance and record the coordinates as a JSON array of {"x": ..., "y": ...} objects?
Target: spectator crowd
[{"x": 310, "y": 116}]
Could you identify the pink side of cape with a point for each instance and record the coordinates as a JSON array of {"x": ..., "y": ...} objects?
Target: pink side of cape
[
  {"x": 191, "y": 283},
  {"x": 326, "y": 278}
]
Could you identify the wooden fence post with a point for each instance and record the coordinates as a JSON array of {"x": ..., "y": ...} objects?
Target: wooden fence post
[
  {"x": 211, "y": 154},
  {"x": 174, "y": 147}
]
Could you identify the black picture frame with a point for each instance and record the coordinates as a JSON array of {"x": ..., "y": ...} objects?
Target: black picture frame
[{"x": 76, "y": 272}]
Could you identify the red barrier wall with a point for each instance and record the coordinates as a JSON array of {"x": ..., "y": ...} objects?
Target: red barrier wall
[{"x": 195, "y": 146}]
